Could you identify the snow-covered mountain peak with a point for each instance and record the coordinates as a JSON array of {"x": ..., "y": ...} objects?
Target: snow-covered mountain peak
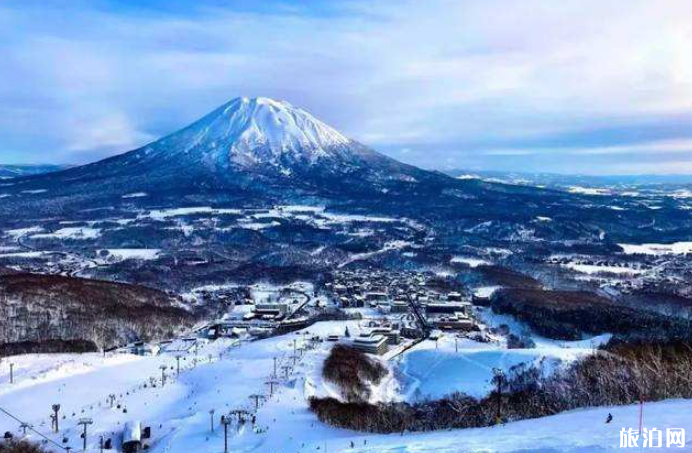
[
  {"x": 259, "y": 130},
  {"x": 248, "y": 139}
]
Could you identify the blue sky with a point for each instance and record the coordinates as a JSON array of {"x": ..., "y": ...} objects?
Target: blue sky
[{"x": 575, "y": 86}]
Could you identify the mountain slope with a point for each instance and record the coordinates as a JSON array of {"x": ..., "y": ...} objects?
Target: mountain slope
[
  {"x": 15, "y": 171},
  {"x": 36, "y": 309}
]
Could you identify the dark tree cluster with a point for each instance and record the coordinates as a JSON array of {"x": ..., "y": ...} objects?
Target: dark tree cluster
[
  {"x": 353, "y": 372},
  {"x": 567, "y": 315},
  {"x": 509, "y": 278},
  {"x": 20, "y": 446},
  {"x": 47, "y": 347}
]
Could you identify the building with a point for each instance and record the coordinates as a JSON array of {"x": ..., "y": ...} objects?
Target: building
[
  {"x": 393, "y": 337},
  {"x": 376, "y": 344},
  {"x": 375, "y": 297},
  {"x": 448, "y": 308},
  {"x": 482, "y": 300},
  {"x": 454, "y": 297},
  {"x": 271, "y": 310},
  {"x": 399, "y": 306},
  {"x": 457, "y": 321},
  {"x": 138, "y": 348}
]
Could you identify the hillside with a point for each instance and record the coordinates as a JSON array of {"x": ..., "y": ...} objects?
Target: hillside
[{"x": 37, "y": 309}]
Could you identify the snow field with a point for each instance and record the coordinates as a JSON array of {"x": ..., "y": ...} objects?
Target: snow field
[{"x": 179, "y": 412}]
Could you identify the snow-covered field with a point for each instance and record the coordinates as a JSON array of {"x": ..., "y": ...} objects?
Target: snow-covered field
[
  {"x": 676, "y": 248},
  {"x": 20, "y": 232},
  {"x": 226, "y": 376},
  {"x": 595, "y": 269},
  {"x": 468, "y": 260},
  {"x": 435, "y": 370},
  {"x": 112, "y": 255},
  {"x": 580, "y": 431},
  {"x": 250, "y": 218},
  {"x": 23, "y": 255},
  {"x": 75, "y": 233},
  {"x": 178, "y": 412},
  {"x": 588, "y": 190}
]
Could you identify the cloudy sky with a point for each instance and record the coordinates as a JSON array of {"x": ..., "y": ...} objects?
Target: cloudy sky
[{"x": 570, "y": 86}]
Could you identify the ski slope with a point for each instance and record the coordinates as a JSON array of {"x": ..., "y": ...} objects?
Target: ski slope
[
  {"x": 581, "y": 431},
  {"x": 222, "y": 375}
]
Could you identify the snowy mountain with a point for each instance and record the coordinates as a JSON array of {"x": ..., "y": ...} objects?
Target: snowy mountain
[
  {"x": 258, "y": 133},
  {"x": 247, "y": 147}
]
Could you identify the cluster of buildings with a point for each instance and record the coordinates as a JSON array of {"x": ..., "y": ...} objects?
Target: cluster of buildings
[
  {"x": 410, "y": 303},
  {"x": 400, "y": 307}
]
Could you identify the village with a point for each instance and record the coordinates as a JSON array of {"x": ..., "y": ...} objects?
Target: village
[{"x": 394, "y": 309}]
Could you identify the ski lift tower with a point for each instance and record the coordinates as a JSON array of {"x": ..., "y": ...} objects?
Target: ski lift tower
[{"x": 85, "y": 422}]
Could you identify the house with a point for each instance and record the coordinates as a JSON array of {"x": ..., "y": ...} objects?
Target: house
[{"x": 359, "y": 301}]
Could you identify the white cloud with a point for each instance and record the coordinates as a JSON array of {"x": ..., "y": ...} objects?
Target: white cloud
[
  {"x": 110, "y": 131},
  {"x": 663, "y": 146}
]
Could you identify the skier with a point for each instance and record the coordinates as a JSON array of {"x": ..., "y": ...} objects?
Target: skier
[{"x": 609, "y": 419}]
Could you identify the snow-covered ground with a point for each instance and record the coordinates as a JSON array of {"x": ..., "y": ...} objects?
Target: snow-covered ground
[
  {"x": 75, "y": 233},
  {"x": 519, "y": 328},
  {"x": 468, "y": 260},
  {"x": 580, "y": 431},
  {"x": 595, "y": 269},
  {"x": 135, "y": 195},
  {"x": 676, "y": 248},
  {"x": 20, "y": 232},
  {"x": 112, "y": 255},
  {"x": 388, "y": 247},
  {"x": 164, "y": 214},
  {"x": 179, "y": 411},
  {"x": 588, "y": 190},
  {"x": 435, "y": 370},
  {"x": 485, "y": 291},
  {"x": 37, "y": 254},
  {"x": 227, "y": 375}
]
